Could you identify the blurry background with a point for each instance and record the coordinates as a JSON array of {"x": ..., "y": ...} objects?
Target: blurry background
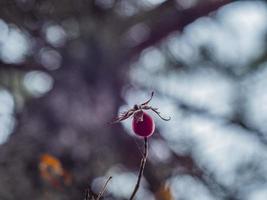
[{"x": 68, "y": 67}]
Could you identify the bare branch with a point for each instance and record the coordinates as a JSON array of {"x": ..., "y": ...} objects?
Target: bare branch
[
  {"x": 25, "y": 66},
  {"x": 171, "y": 19}
]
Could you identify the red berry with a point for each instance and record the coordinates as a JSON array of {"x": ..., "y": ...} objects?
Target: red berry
[{"x": 143, "y": 125}]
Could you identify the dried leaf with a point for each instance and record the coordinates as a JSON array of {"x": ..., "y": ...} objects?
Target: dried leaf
[
  {"x": 164, "y": 193},
  {"x": 52, "y": 171}
]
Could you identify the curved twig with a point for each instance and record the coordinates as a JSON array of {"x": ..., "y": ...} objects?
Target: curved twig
[
  {"x": 158, "y": 113},
  {"x": 155, "y": 110},
  {"x": 104, "y": 189},
  {"x": 123, "y": 116},
  {"x": 141, "y": 170},
  {"x": 151, "y": 96}
]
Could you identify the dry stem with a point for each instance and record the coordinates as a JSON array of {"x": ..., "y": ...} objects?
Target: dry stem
[
  {"x": 141, "y": 170},
  {"x": 104, "y": 189}
]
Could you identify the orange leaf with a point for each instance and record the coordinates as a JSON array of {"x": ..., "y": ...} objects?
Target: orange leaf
[
  {"x": 164, "y": 193},
  {"x": 50, "y": 168}
]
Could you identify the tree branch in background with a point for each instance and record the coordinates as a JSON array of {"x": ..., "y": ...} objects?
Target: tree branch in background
[
  {"x": 24, "y": 66},
  {"x": 148, "y": 16},
  {"x": 166, "y": 19},
  {"x": 141, "y": 170}
]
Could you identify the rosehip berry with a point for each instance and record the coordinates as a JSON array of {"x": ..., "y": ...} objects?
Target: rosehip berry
[{"x": 142, "y": 124}]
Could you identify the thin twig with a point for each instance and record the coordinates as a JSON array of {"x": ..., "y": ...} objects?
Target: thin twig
[
  {"x": 141, "y": 170},
  {"x": 104, "y": 189},
  {"x": 151, "y": 96},
  {"x": 158, "y": 113},
  {"x": 89, "y": 194}
]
